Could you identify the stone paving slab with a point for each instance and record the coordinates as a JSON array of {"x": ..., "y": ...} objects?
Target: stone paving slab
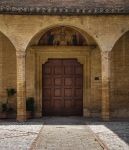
[
  {"x": 66, "y": 134},
  {"x": 114, "y": 134}
]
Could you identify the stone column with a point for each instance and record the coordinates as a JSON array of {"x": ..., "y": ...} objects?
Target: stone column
[
  {"x": 1, "y": 70},
  {"x": 105, "y": 56},
  {"x": 21, "y": 86}
]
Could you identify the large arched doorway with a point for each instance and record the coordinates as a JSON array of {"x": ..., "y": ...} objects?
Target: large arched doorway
[
  {"x": 75, "y": 48},
  {"x": 119, "y": 101}
]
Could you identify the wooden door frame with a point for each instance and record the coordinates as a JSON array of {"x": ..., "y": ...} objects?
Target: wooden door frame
[{"x": 81, "y": 53}]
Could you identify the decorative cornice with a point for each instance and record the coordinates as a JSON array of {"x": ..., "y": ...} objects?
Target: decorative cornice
[{"x": 63, "y": 10}]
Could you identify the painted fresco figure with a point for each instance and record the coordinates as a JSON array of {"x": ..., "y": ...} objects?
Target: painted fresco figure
[
  {"x": 50, "y": 39},
  {"x": 74, "y": 40}
]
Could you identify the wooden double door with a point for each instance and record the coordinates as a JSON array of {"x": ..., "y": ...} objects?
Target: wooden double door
[{"x": 62, "y": 87}]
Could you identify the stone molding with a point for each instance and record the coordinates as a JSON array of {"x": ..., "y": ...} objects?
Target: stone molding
[{"x": 24, "y": 10}]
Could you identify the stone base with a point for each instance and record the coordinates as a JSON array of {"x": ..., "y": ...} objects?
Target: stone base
[
  {"x": 38, "y": 115},
  {"x": 86, "y": 113},
  {"x": 21, "y": 118},
  {"x": 105, "y": 116}
]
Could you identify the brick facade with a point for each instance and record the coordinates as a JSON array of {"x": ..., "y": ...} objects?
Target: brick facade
[{"x": 106, "y": 72}]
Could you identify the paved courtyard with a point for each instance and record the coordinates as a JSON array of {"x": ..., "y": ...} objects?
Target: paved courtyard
[{"x": 66, "y": 133}]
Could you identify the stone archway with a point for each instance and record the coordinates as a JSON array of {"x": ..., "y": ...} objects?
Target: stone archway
[
  {"x": 87, "y": 54},
  {"x": 119, "y": 87}
]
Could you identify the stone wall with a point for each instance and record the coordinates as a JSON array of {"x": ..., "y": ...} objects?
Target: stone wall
[{"x": 102, "y": 30}]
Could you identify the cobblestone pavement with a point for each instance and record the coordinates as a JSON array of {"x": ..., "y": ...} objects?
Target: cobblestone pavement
[
  {"x": 114, "y": 134},
  {"x": 18, "y": 136},
  {"x": 66, "y": 134}
]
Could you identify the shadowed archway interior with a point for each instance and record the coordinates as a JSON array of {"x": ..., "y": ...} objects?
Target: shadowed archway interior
[
  {"x": 119, "y": 87},
  {"x": 8, "y": 78}
]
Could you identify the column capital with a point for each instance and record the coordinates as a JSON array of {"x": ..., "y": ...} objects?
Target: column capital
[
  {"x": 20, "y": 54},
  {"x": 105, "y": 53},
  {"x": 105, "y": 60}
]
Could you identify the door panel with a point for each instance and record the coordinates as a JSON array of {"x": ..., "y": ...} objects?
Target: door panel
[{"x": 62, "y": 87}]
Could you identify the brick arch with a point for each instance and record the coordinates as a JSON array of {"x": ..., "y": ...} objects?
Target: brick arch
[
  {"x": 89, "y": 38},
  {"x": 75, "y": 52}
]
